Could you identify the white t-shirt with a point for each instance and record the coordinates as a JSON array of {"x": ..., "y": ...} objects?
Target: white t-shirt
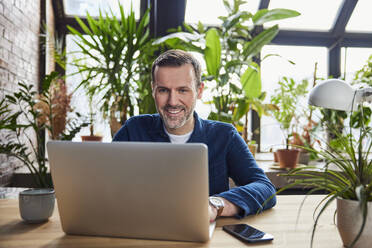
[{"x": 178, "y": 139}]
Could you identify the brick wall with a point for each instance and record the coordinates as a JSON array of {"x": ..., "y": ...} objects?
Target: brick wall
[{"x": 19, "y": 51}]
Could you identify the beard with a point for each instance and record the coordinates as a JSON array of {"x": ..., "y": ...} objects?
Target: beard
[{"x": 178, "y": 120}]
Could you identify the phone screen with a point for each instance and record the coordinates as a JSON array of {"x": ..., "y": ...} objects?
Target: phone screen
[{"x": 247, "y": 233}]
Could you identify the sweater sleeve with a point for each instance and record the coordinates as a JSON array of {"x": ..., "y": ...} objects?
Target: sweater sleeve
[{"x": 253, "y": 187}]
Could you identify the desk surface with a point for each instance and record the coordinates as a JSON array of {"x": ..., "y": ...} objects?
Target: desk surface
[{"x": 279, "y": 221}]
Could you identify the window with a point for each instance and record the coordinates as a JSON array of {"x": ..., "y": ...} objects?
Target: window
[
  {"x": 355, "y": 59},
  {"x": 79, "y": 100},
  {"x": 360, "y": 19},
  {"x": 315, "y": 14},
  {"x": 80, "y": 7},
  {"x": 273, "y": 68},
  {"x": 208, "y": 11}
]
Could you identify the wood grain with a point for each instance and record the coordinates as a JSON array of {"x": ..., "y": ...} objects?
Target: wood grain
[{"x": 279, "y": 221}]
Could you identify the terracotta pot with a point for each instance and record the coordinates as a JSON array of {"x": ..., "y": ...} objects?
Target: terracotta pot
[
  {"x": 288, "y": 158},
  {"x": 276, "y": 157},
  {"x": 253, "y": 149},
  {"x": 349, "y": 221},
  {"x": 91, "y": 138}
]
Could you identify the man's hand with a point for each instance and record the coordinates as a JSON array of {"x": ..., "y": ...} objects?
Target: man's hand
[
  {"x": 230, "y": 209},
  {"x": 212, "y": 213}
]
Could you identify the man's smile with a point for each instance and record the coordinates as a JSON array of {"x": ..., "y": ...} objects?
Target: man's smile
[{"x": 174, "y": 111}]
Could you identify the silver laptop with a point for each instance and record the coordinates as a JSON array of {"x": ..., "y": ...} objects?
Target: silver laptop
[{"x": 132, "y": 189}]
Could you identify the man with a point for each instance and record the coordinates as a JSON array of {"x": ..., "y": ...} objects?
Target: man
[{"x": 176, "y": 85}]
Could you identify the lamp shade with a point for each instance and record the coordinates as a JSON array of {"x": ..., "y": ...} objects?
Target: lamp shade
[{"x": 334, "y": 94}]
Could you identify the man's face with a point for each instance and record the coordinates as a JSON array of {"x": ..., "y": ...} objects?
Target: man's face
[{"x": 175, "y": 94}]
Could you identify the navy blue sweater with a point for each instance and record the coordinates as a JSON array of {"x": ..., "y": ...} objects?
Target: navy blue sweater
[{"x": 228, "y": 156}]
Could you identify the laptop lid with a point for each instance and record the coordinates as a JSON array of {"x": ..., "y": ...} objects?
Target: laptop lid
[{"x": 132, "y": 189}]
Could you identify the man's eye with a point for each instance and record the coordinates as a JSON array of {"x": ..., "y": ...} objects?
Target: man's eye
[
  {"x": 182, "y": 90},
  {"x": 162, "y": 90}
]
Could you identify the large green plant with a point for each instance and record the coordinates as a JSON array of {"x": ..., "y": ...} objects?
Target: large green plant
[
  {"x": 116, "y": 54},
  {"x": 349, "y": 177},
  {"x": 26, "y": 115},
  {"x": 286, "y": 98},
  {"x": 228, "y": 50}
]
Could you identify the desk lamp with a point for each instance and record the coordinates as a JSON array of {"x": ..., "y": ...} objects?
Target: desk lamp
[{"x": 338, "y": 95}]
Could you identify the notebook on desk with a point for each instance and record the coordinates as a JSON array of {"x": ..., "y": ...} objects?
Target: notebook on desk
[{"x": 132, "y": 189}]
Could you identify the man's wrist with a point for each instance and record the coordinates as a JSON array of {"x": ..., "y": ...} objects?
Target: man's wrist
[{"x": 217, "y": 204}]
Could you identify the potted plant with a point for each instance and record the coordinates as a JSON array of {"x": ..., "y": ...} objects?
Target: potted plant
[
  {"x": 285, "y": 99},
  {"x": 116, "y": 54},
  {"x": 26, "y": 115},
  {"x": 241, "y": 108},
  {"x": 232, "y": 75},
  {"x": 346, "y": 178},
  {"x": 92, "y": 136},
  {"x": 347, "y": 174}
]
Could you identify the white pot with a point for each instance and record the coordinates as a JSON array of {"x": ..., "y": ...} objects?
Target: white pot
[
  {"x": 36, "y": 205},
  {"x": 349, "y": 221}
]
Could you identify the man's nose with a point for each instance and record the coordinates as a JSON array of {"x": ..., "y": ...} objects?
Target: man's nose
[{"x": 172, "y": 98}]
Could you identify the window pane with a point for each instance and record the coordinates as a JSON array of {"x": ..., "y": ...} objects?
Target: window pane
[
  {"x": 80, "y": 7},
  {"x": 79, "y": 99},
  {"x": 360, "y": 20},
  {"x": 315, "y": 14},
  {"x": 356, "y": 58},
  {"x": 208, "y": 11},
  {"x": 273, "y": 68}
]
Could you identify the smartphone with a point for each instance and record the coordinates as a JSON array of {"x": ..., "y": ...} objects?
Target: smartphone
[{"x": 247, "y": 233}]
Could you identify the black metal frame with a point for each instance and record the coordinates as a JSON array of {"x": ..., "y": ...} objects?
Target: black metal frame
[{"x": 167, "y": 14}]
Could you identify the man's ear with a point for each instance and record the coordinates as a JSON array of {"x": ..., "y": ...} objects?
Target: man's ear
[
  {"x": 200, "y": 90},
  {"x": 153, "y": 89}
]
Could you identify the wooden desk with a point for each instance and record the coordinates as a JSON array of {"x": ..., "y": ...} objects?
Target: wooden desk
[{"x": 279, "y": 221}]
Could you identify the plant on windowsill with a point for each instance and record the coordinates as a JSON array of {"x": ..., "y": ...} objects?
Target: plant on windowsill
[
  {"x": 305, "y": 127},
  {"x": 92, "y": 136},
  {"x": 347, "y": 174},
  {"x": 26, "y": 115},
  {"x": 285, "y": 98}
]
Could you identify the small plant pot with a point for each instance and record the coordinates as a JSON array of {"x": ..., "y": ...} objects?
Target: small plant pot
[
  {"x": 288, "y": 158},
  {"x": 36, "y": 205},
  {"x": 276, "y": 157},
  {"x": 304, "y": 157},
  {"x": 253, "y": 149},
  {"x": 91, "y": 138},
  {"x": 349, "y": 221}
]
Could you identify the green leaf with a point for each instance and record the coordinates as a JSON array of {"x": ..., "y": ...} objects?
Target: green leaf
[
  {"x": 255, "y": 45},
  {"x": 264, "y": 15},
  {"x": 277, "y": 55},
  {"x": 212, "y": 54},
  {"x": 200, "y": 27},
  {"x": 186, "y": 37},
  {"x": 83, "y": 26},
  {"x": 234, "y": 63},
  {"x": 241, "y": 110},
  {"x": 251, "y": 81},
  {"x": 48, "y": 80},
  {"x": 231, "y": 21}
]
